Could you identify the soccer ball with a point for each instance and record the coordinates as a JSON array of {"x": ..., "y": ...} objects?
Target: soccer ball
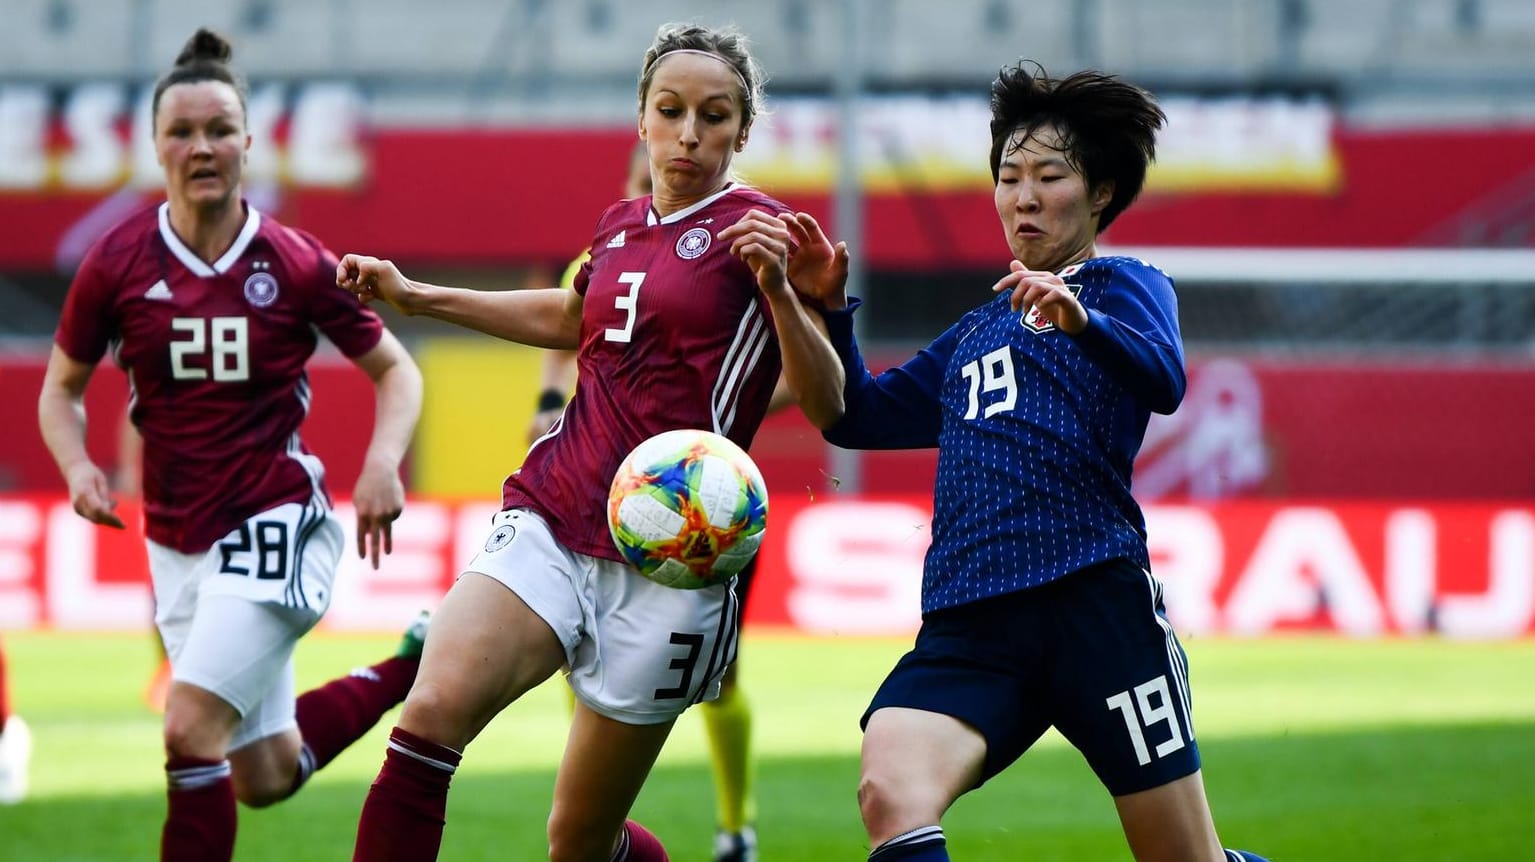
[{"x": 688, "y": 509}]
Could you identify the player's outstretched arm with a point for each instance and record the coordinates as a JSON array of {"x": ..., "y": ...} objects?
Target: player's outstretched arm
[
  {"x": 61, "y": 418},
  {"x": 541, "y": 318},
  {"x": 379, "y": 496}
]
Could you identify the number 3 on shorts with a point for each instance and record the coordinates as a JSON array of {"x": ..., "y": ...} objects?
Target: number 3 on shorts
[{"x": 684, "y": 663}]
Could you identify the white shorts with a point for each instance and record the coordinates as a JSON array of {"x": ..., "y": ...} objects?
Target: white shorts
[
  {"x": 231, "y": 615},
  {"x": 639, "y": 652}
]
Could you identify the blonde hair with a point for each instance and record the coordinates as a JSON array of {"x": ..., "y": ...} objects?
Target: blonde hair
[{"x": 729, "y": 44}]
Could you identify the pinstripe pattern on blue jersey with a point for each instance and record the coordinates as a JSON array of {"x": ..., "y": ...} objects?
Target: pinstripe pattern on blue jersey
[{"x": 1031, "y": 493}]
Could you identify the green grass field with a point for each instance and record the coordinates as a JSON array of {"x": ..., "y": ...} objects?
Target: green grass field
[{"x": 1315, "y": 749}]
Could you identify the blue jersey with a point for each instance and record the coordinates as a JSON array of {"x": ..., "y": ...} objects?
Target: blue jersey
[{"x": 1036, "y": 430}]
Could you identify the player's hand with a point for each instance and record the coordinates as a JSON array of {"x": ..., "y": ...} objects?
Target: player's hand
[
  {"x": 91, "y": 496},
  {"x": 379, "y": 499},
  {"x": 1046, "y": 292},
  {"x": 817, "y": 269},
  {"x": 369, "y": 278},
  {"x": 762, "y": 242}
]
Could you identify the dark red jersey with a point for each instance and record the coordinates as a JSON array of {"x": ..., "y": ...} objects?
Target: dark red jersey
[
  {"x": 674, "y": 334},
  {"x": 215, "y": 356}
]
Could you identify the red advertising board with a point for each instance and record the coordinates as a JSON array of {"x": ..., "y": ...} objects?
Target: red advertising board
[
  {"x": 852, "y": 566},
  {"x": 1259, "y": 428}
]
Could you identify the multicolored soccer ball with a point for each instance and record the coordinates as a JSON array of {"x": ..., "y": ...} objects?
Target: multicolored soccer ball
[{"x": 688, "y": 509}]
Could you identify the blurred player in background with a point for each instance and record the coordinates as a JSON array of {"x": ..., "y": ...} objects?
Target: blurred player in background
[
  {"x": 213, "y": 310},
  {"x": 15, "y": 746},
  {"x": 1039, "y": 609},
  {"x": 678, "y": 323},
  {"x": 727, "y": 718}
]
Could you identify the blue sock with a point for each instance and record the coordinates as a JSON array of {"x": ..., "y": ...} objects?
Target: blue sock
[
  {"x": 1243, "y": 856},
  {"x": 919, "y": 845}
]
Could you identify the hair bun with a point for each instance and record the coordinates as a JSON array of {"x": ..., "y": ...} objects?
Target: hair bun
[{"x": 205, "y": 45}]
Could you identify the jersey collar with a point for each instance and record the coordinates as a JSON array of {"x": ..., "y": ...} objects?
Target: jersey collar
[
  {"x": 189, "y": 258},
  {"x": 651, "y": 219}
]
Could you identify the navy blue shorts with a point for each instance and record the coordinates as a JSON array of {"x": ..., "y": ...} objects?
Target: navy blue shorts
[{"x": 1091, "y": 654}]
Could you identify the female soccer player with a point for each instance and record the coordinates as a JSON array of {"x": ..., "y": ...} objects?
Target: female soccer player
[
  {"x": 213, "y": 310},
  {"x": 1038, "y": 606},
  {"x": 679, "y": 322},
  {"x": 727, "y": 718}
]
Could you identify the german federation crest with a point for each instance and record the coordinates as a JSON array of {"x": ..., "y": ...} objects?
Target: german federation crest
[
  {"x": 499, "y": 539},
  {"x": 693, "y": 243},
  {"x": 261, "y": 289}
]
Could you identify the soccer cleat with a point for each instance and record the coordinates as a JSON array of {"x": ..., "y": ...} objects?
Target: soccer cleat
[
  {"x": 736, "y": 846},
  {"x": 414, "y": 639},
  {"x": 15, "y": 757}
]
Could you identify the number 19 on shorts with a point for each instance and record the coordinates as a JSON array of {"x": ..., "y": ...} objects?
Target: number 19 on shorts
[{"x": 1143, "y": 708}]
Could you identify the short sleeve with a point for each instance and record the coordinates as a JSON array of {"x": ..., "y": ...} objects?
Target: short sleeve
[
  {"x": 351, "y": 326},
  {"x": 89, "y": 319},
  {"x": 575, "y": 270}
]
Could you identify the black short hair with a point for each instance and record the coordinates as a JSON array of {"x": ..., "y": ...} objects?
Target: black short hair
[{"x": 1107, "y": 125}]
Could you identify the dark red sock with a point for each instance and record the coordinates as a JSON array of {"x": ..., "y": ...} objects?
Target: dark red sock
[
  {"x": 200, "y": 820},
  {"x": 643, "y": 846},
  {"x": 339, "y": 712},
  {"x": 407, "y": 806}
]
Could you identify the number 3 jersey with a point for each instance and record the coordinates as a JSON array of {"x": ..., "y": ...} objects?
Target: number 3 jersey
[
  {"x": 215, "y": 356},
  {"x": 674, "y": 334},
  {"x": 1036, "y": 430}
]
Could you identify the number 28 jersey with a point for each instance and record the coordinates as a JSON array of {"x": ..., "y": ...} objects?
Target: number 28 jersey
[
  {"x": 674, "y": 334},
  {"x": 215, "y": 356}
]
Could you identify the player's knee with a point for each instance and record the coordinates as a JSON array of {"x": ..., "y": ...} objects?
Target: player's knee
[
  {"x": 433, "y": 712},
  {"x": 890, "y": 805},
  {"x": 879, "y": 801},
  {"x": 260, "y": 791},
  {"x": 570, "y": 843},
  {"x": 189, "y": 736}
]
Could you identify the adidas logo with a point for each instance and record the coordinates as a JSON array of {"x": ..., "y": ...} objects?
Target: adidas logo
[
  {"x": 617, "y": 241},
  {"x": 159, "y": 291}
]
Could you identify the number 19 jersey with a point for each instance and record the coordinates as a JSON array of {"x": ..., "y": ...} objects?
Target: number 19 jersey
[{"x": 215, "y": 356}]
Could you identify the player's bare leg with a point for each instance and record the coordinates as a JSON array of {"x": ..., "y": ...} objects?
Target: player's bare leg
[
  {"x": 605, "y": 765},
  {"x": 264, "y": 770},
  {"x": 1171, "y": 823},
  {"x": 199, "y": 725},
  {"x": 915, "y": 763},
  {"x": 487, "y": 648},
  {"x": 200, "y": 816}
]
